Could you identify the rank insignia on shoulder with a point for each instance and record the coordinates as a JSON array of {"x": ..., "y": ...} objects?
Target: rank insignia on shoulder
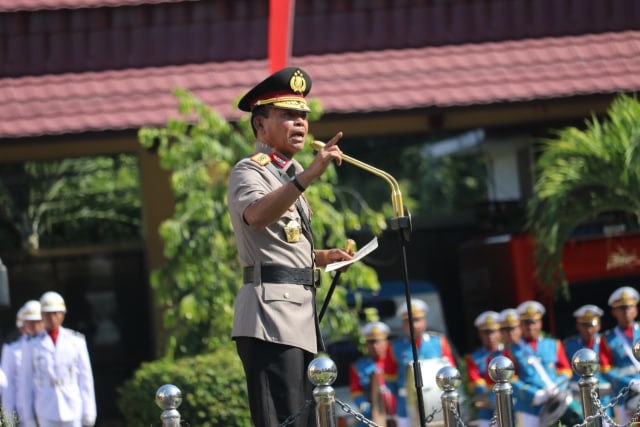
[{"x": 261, "y": 158}]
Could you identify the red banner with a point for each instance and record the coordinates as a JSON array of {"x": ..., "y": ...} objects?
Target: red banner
[{"x": 280, "y": 33}]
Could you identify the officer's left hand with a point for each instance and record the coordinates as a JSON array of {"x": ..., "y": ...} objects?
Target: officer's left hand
[{"x": 336, "y": 255}]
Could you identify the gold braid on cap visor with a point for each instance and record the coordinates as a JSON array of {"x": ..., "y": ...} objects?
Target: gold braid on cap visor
[{"x": 298, "y": 100}]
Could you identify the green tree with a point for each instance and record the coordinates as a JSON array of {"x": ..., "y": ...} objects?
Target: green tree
[
  {"x": 70, "y": 201},
  {"x": 197, "y": 286},
  {"x": 581, "y": 175}
]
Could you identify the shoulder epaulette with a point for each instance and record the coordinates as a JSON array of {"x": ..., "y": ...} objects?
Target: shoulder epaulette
[{"x": 261, "y": 158}]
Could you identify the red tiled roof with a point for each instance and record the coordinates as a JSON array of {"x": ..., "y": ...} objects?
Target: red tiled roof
[
  {"x": 373, "y": 81},
  {"x": 24, "y": 5}
]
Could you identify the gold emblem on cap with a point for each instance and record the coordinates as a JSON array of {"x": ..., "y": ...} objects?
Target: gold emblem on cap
[
  {"x": 297, "y": 83},
  {"x": 293, "y": 231}
]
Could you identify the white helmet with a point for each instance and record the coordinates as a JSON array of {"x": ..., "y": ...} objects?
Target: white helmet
[
  {"x": 31, "y": 310},
  {"x": 52, "y": 302},
  {"x": 20, "y": 318}
]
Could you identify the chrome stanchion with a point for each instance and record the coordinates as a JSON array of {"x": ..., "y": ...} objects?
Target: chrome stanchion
[
  {"x": 501, "y": 371},
  {"x": 586, "y": 364},
  {"x": 448, "y": 380},
  {"x": 322, "y": 372},
  {"x": 168, "y": 398}
]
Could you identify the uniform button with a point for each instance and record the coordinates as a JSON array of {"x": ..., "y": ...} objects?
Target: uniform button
[{"x": 286, "y": 295}]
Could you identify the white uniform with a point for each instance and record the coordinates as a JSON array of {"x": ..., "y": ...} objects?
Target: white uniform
[
  {"x": 11, "y": 363},
  {"x": 57, "y": 382}
]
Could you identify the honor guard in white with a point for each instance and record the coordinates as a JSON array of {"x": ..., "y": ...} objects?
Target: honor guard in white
[
  {"x": 11, "y": 352},
  {"x": 57, "y": 382},
  {"x": 28, "y": 322}
]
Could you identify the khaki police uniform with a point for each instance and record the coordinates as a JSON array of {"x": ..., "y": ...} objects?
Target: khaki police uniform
[
  {"x": 57, "y": 382},
  {"x": 275, "y": 324},
  {"x": 279, "y": 313}
]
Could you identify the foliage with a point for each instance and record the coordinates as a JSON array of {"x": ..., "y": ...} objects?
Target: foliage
[
  {"x": 581, "y": 174},
  {"x": 197, "y": 286},
  {"x": 430, "y": 186},
  {"x": 70, "y": 201},
  {"x": 212, "y": 385}
]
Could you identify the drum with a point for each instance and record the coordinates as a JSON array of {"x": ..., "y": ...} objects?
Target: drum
[
  {"x": 430, "y": 392},
  {"x": 561, "y": 407}
]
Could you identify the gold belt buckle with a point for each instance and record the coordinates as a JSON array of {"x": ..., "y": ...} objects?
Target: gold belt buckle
[{"x": 315, "y": 277}]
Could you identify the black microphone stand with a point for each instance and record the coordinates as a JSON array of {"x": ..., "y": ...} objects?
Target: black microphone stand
[{"x": 403, "y": 225}]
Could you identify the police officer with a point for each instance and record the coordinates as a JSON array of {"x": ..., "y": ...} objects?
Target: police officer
[
  {"x": 275, "y": 325},
  {"x": 541, "y": 366},
  {"x": 56, "y": 385},
  {"x": 29, "y": 323},
  {"x": 619, "y": 341},
  {"x": 375, "y": 364},
  {"x": 430, "y": 346},
  {"x": 477, "y": 364}
]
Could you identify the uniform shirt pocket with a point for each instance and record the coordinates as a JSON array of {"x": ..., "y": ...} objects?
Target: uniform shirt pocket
[{"x": 295, "y": 294}]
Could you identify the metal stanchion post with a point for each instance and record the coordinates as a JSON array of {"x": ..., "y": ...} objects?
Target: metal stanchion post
[
  {"x": 501, "y": 371},
  {"x": 168, "y": 398},
  {"x": 448, "y": 380},
  {"x": 586, "y": 364},
  {"x": 322, "y": 372}
]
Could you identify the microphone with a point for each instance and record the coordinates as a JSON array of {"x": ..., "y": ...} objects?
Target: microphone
[{"x": 396, "y": 196}]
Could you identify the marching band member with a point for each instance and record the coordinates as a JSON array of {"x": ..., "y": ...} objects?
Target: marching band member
[
  {"x": 477, "y": 363},
  {"x": 588, "y": 336},
  {"x": 541, "y": 366},
  {"x": 56, "y": 386},
  {"x": 619, "y": 341},
  {"x": 430, "y": 345},
  {"x": 510, "y": 331},
  {"x": 376, "y": 363}
]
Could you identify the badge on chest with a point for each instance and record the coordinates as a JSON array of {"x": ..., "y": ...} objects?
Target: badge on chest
[{"x": 293, "y": 230}]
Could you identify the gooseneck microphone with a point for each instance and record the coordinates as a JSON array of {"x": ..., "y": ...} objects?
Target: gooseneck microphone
[{"x": 396, "y": 196}]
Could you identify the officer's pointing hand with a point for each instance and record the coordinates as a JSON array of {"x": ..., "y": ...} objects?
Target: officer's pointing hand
[{"x": 329, "y": 153}]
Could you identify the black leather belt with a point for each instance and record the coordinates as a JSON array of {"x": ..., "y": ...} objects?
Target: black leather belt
[{"x": 278, "y": 274}]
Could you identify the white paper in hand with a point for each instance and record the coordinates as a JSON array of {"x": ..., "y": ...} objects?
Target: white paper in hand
[{"x": 363, "y": 252}]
